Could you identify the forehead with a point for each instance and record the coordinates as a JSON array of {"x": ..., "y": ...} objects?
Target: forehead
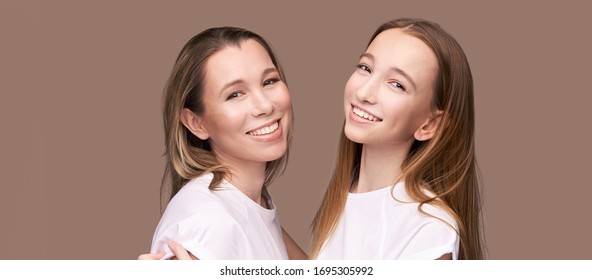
[
  {"x": 237, "y": 62},
  {"x": 396, "y": 48}
]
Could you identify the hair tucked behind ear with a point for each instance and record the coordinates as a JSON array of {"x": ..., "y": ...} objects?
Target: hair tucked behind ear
[
  {"x": 445, "y": 165},
  {"x": 187, "y": 156}
]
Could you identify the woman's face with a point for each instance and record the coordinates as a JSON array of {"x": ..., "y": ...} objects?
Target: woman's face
[
  {"x": 389, "y": 95},
  {"x": 247, "y": 106}
]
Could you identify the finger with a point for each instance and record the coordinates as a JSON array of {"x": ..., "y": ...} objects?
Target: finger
[
  {"x": 155, "y": 256},
  {"x": 179, "y": 251}
]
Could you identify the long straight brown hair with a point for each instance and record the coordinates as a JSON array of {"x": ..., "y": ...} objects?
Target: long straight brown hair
[
  {"x": 187, "y": 156},
  {"x": 445, "y": 165}
]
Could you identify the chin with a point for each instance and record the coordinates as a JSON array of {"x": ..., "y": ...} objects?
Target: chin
[
  {"x": 275, "y": 153},
  {"x": 353, "y": 135}
]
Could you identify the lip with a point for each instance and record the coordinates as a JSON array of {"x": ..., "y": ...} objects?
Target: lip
[
  {"x": 268, "y": 137},
  {"x": 359, "y": 119}
]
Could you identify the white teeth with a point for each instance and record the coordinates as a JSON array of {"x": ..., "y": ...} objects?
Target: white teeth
[
  {"x": 265, "y": 130},
  {"x": 364, "y": 114}
]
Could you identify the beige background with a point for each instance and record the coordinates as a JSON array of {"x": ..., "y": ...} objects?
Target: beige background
[{"x": 81, "y": 139}]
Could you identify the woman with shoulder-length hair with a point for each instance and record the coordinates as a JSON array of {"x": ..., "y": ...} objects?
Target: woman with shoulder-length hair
[
  {"x": 227, "y": 122},
  {"x": 405, "y": 184}
]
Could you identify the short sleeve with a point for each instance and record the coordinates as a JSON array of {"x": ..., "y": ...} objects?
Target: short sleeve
[
  {"x": 432, "y": 240},
  {"x": 182, "y": 232},
  {"x": 205, "y": 237}
]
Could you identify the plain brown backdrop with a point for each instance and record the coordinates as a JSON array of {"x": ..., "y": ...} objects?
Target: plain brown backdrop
[{"x": 81, "y": 142}]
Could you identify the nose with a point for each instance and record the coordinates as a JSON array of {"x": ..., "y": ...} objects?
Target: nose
[
  {"x": 366, "y": 90},
  {"x": 262, "y": 104}
]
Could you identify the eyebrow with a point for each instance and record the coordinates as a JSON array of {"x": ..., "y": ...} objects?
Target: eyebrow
[
  {"x": 393, "y": 69},
  {"x": 240, "y": 81}
]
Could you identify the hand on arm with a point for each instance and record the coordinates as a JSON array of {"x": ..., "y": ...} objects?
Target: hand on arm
[
  {"x": 178, "y": 250},
  {"x": 151, "y": 257}
]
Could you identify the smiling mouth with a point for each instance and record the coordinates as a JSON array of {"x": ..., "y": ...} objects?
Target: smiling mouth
[
  {"x": 365, "y": 115},
  {"x": 265, "y": 130}
]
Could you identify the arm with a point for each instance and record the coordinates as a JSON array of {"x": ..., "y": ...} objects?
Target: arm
[
  {"x": 294, "y": 251},
  {"x": 447, "y": 256}
]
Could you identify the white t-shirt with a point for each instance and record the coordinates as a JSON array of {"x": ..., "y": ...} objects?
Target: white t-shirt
[
  {"x": 376, "y": 226},
  {"x": 219, "y": 224}
]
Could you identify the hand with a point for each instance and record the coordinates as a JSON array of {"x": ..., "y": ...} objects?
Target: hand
[
  {"x": 178, "y": 250},
  {"x": 151, "y": 257}
]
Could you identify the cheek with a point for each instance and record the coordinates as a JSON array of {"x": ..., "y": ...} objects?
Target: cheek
[
  {"x": 413, "y": 116},
  {"x": 398, "y": 109},
  {"x": 226, "y": 119},
  {"x": 422, "y": 106},
  {"x": 283, "y": 99},
  {"x": 350, "y": 86}
]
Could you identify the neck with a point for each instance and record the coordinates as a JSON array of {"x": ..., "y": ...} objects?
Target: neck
[
  {"x": 248, "y": 177},
  {"x": 379, "y": 166}
]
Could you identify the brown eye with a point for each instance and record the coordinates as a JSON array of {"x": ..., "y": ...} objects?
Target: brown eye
[
  {"x": 234, "y": 95},
  {"x": 364, "y": 68},
  {"x": 270, "y": 81}
]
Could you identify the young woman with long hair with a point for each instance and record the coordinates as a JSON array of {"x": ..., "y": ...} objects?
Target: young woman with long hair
[{"x": 405, "y": 184}]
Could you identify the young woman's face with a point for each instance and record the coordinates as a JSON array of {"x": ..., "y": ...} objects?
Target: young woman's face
[
  {"x": 247, "y": 106},
  {"x": 388, "y": 97}
]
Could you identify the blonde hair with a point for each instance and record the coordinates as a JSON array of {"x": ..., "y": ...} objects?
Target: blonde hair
[
  {"x": 187, "y": 156},
  {"x": 445, "y": 165}
]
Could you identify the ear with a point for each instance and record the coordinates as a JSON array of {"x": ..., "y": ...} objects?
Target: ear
[
  {"x": 194, "y": 124},
  {"x": 427, "y": 130}
]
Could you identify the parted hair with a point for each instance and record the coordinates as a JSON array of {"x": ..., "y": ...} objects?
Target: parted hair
[
  {"x": 445, "y": 165},
  {"x": 187, "y": 156}
]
